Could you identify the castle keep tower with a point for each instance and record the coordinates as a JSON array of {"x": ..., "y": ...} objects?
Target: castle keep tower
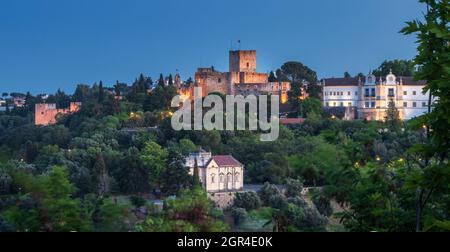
[
  {"x": 242, "y": 78},
  {"x": 243, "y": 61},
  {"x": 47, "y": 113}
]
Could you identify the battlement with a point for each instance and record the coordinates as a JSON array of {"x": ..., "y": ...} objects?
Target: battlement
[{"x": 47, "y": 113}]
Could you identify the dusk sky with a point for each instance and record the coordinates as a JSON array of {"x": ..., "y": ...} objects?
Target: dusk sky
[{"x": 51, "y": 44}]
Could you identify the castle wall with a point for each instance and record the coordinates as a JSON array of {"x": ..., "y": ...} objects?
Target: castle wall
[
  {"x": 250, "y": 77},
  {"x": 212, "y": 81},
  {"x": 46, "y": 114}
]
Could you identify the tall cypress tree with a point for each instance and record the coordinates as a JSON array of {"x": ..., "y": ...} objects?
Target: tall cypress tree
[
  {"x": 161, "y": 80},
  {"x": 101, "y": 92}
]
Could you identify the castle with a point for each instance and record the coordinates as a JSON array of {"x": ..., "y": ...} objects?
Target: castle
[
  {"x": 221, "y": 176},
  {"x": 241, "y": 79},
  {"x": 47, "y": 113},
  {"x": 369, "y": 97}
]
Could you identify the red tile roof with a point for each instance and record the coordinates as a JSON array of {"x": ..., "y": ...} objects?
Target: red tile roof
[
  {"x": 285, "y": 121},
  {"x": 226, "y": 160}
]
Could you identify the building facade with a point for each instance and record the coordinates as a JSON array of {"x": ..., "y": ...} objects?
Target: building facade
[
  {"x": 47, "y": 113},
  {"x": 369, "y": 98},
  {"x": 221, "y": 176},
  {"x": 241, "y": 79}
]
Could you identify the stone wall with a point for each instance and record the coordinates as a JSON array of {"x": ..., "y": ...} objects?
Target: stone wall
[
  {"x": 222, "y": 200},
  {"x": 46, "y": 114}
]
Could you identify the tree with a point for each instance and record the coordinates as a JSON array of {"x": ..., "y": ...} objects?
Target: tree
[
  {"x": 347, "y": 75},
  {"x": 196, "y": 176},
  {"x": 191, "y": 211},
  {"x": 392, "y": 117},
  {"x": 272, "y": 77},
  {"x": 433, "y": 50},
  {"x": 161, "y": 81},
  {"x": 176, "y": 176},
  {"x": 132, "y": 175},
  {"x": 170, "y": 80},
  {"x": 101, "y": 172},
  {"x": 247, "y": 200},
  {"x": 155, "y": 159},
  {"x": 101, "y": 92},
  {"x": 63, "y": 212},
  {"x": 398, "y": 67}
]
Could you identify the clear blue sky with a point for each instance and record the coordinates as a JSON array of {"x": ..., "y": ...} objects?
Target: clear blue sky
[{"x": 51, "y": 44}]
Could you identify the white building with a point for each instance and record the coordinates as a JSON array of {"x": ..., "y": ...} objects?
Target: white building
[
  {"x": 370, "y": 96},
  {"x": 221, "y": 176}
]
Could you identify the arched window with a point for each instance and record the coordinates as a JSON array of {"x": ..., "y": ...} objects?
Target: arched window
[
  {"x": 221, "y": 178},
  {"x": 236, "y": 177},
  {"x": 213, "y": 178},
  {"x": 229, "y": 177}
]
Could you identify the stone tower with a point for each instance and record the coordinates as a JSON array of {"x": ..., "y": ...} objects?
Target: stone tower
[{"x": 243, "y": 61}]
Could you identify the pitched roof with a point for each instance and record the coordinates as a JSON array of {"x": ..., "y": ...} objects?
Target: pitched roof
[
  {"x": 226, "y": 160},
  {"x": 341, "y": 81}
]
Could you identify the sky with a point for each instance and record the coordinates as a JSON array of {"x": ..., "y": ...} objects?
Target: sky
[{"x": 51, "y": 44}]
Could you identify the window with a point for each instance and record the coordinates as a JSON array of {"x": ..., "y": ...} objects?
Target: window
[
  {"x": 229, "y": 177},
  {"x": 248, "y": 65},
  {"x": 366, "y": 93},
  {"x": 341, "y": 104},
  {"x": 367, "y": 104},
  {"x": 219, "y": 80},
  {"x": 405, "y": 92},
  {"x": 356, "y": 92},
  {"x": 212, "y": 178},
  {"x": 334, "y": 104},
  {"x": 334, "y": 93},
  {"x": 327, "y": 104},
  {"x": 348, "y": 93},
  {"x": 414, "y": 104},
  {"x": 391, "y": 92},
  {"x": 221, "y": 178},
  {"x": 405, "y": 104},
  {"x": 349, "y": 104},
  {"x": 325, "y": 93},
  {"x": 424, "y": 104},
  {"x": 236, "y": 177},
  {"x": 372, "y": 93},
  {"x": 372, "y": 105},
  {"x": 414, "y": 92}
]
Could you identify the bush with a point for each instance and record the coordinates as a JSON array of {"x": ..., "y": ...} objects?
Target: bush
[
  {"x": 247, "y": 200},
  {"x": 137, "y": 201},
  {"x": 267, "y": 192},
  {"x": 322, "y": 204},
  {"x": 294, "y": 187},
  {"x": 239, "y": 215}
]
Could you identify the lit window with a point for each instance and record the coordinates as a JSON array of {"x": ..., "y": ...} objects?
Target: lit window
[{"x": 391, "y": 92}]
